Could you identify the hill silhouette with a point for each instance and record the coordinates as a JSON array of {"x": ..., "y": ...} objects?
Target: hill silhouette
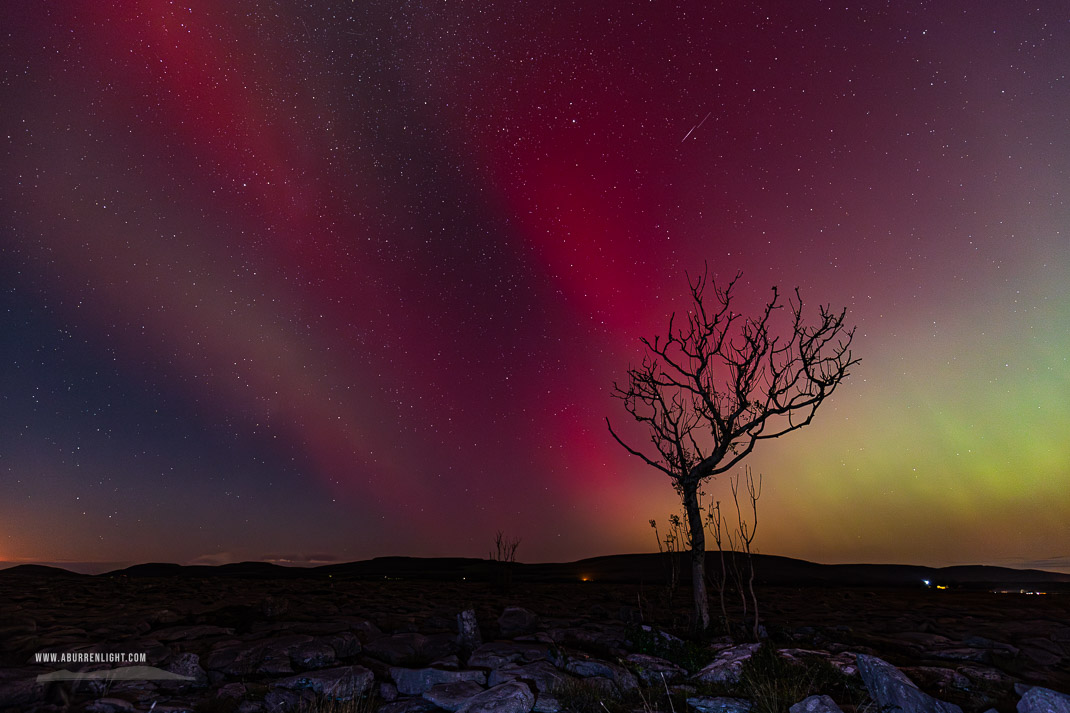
[{"x": 652, "y": 568}]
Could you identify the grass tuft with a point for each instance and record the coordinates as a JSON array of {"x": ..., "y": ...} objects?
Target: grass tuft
[
  {"x": 773, "y": 683},
  {"x": 691, "y": 656},
  {"x": 368, "y": 703}
]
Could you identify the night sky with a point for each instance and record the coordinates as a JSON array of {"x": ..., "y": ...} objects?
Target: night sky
[{"x": 322, "y": 281}]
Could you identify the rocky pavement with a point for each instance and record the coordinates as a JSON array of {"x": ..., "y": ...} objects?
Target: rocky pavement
[{"x": 239, "y": 646}]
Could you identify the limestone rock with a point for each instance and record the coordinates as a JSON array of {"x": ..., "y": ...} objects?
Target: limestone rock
[
  {"x": 888, "y": 686},
  {"x": 591, "y": 667},
  {"x": 313, "y": 654},
  {"x": 936, "y": 677},
  {"x": 414, "y": 681},
  {"x": 266, "y": 656},
  {"x": 468, "y": 636},
  {"x": 188, "y": 664},
  {"x": 985, "y": 675},
  {"x": 507, "y": 698},
  {"x": 719, "y": 704},
  {"x": 963, "y": 653},
  {"x": 343, "y": 682},
  {"x": 497, "y": 654},
  {"x": 409, "y": 705},
  {"x": 364, "y": 629},
  {"x": 982, "y": 642},
  {"x": 452, "y": 696},
  {"x": 815, "y": 704},
  {"x": 1044, "y": 700},
  {"x": 345, "y": 644},
  {"x": 727, "y": 666},
  {"x": 542, "y": 674},
  {"x": 653, "y": 670}
]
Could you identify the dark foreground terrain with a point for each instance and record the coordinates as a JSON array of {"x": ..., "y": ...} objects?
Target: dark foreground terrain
[{"x": 250, "y": 640}]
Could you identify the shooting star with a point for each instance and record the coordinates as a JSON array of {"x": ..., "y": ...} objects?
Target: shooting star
[{"x": 695, "y": 127}]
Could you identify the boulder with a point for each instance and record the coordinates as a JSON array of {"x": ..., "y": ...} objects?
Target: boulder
[
  {"x": 344, "y": 643},
  {"x": 982, "y": 642},
  {"x": 719, "y": 704},
  {"x": 414, "y": 681},
  {"x": 364, "y": 629},
  {"x": 512, "y": 697},
  {"x": 985, "y": 675},
  {"x": 663, "y": 637},
  {"x": 497, "y": 654},
  {"x": 888, "y": 686},
  {"x": 1043, "y": 700},
  {"x": 962, "y": 653},
  {"x": 409, "y": 705},
  {"x": 468, "y": 636},
  {"x": 343, "y": 682},
  {"x": 265, "y": 656},
  {"x": 313, "y": 654},
  {"x": 452, "y": 696},
  {"x": 815, "y": 704},
  {"x": 727, "y": 666},
  {"x": 590, "y": 667},
  {"x": 653, "y": 670},
  {"x": 188, "y": 664},
  {"x": 936, "y": 677},
  {"x": 543, "y": 675}
]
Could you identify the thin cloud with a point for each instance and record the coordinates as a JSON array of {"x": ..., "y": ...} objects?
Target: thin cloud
[{"x": 301, "y": 560}]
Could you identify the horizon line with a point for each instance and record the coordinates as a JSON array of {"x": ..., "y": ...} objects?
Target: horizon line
[{"x": 1057, "y": 565}]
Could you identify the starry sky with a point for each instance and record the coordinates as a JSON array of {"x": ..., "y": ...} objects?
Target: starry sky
[{"x": 322, "y": 281}]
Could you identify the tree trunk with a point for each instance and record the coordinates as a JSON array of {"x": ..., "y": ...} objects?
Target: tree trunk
[{"x": 698, "y": 556}]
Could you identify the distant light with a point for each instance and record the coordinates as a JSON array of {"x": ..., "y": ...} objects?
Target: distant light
[
  {"x": 941, "y": 586},
  {"x": 585, "y": 578},
  {"x": 926, "y": 582}
]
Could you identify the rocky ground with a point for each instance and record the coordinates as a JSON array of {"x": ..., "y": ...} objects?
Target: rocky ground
[{"x": 218, "y": 644}]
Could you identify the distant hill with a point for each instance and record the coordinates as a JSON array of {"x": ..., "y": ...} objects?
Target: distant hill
[
  {"x": 39, "y": 570},
  {"x": 652, "y": 568}
]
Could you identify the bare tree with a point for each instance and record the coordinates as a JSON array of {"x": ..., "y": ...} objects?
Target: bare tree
[
  {"x": 746, "y": 532},
  {"x": 709, "y": 390},
  {"x": 505, "y": 558},
  {"x": 715, "y": 522}
]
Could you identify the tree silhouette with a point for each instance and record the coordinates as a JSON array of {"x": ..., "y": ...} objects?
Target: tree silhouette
[{"x": 708, "y": 391}]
